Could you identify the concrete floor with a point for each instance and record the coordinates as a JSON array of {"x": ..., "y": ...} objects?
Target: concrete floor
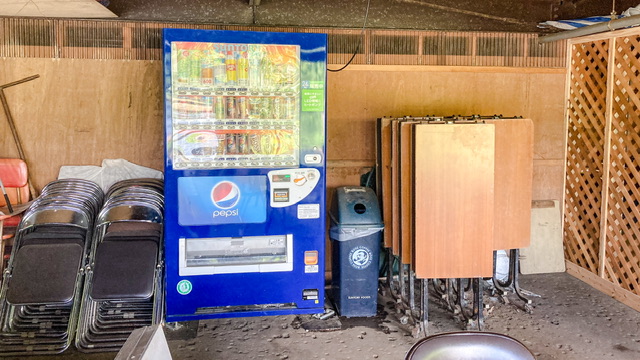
[{"x": 570, "y": 321}]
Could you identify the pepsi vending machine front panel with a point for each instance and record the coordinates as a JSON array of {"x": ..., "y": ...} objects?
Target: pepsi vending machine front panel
[{"x": 244, "y": 173}]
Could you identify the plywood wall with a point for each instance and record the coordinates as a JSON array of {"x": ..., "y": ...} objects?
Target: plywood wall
[{"x": 82, "y": 111}]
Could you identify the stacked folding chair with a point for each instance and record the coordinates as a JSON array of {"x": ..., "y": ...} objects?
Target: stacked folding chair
[
  {"x": 43, "y": 280},
  {"x": 124, "y": 282}
]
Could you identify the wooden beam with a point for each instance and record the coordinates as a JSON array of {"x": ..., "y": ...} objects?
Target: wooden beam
[
  {"x": 455, "y": 69},
  {"x": 606, "y": 166},
  {"x": 624, "y": 296}
]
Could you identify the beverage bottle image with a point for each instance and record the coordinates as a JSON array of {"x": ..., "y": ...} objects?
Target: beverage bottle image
[
  {"x": 207, "y": 70},
  {"x": 195, "y": 67},
  {"x": 277, "y": 108},
  {"x": 266, "y": 108},
  {"x": 219, "y": 72},
  {"x": 290, "y": 108},
  {"x": 183, "y": 66},
  {"x": 265, "y": 74},
  {"x": 243, "y": 70},
  {"x": 209, "y": 107},
  {"x": 254, "y": 71},
  {"x": 230, "y": 62},
  {"x": 219, "y": 108}
]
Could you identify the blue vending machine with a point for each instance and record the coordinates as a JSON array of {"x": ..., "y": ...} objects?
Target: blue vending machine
[{"x": 244, "y": 173}]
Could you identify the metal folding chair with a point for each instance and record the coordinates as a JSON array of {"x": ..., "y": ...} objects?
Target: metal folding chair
[
  {"x": 469, "y": 345},
  {"x": 42, "y": 284},
  {"x": 123, "y": 288}
]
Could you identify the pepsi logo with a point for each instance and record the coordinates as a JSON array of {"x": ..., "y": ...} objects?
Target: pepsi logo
[{"x": 225, "y": 195}]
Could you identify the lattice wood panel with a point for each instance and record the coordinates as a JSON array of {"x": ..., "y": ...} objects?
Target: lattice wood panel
[
  {"x": 585, "y": 153},
  {"x": 622, "y": 252}
]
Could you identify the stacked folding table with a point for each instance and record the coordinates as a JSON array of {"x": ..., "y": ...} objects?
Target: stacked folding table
[{"x": 453, "y": 191}]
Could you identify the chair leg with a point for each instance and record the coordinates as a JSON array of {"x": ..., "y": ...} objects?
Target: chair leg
[
  {"x": 424, "y": 319},
  {"x": 515, "y": 275},
  {"x": 477, "y": 302}
]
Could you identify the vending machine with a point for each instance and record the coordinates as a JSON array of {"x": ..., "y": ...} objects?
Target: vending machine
[{"x": 244, "y": 173}]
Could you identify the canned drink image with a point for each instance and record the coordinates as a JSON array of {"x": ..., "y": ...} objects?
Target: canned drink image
[
  {"x": 277, "y": 107},
  {"x": 220, "y": 111},
  {"x": 221, "y": 144},
  {"x": 241, "y": 144},
  {"x": 255, "y": 103},
  {"x": 286, "y": 143},
  {"x": 231, "y": 107},
  {"x": 242, "y": 107},
  {"x": 290, "y": 108},
  {"x": 232, "y": 147},
  {"x": 266, "y": 110},
  {"x": 180, "y": 108},
  {"x": 254, "y": 144},
  {"x": 268, "y": 144},
  {"x": 208, "y": 107}
]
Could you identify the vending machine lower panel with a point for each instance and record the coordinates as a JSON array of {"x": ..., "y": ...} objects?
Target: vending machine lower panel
[{"x": 246, "y": 276}]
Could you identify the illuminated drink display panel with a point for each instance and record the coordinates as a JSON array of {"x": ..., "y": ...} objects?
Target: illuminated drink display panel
[{"x": 235, "y": 105}]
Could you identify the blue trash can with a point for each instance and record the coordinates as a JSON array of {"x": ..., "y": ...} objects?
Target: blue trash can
[{"x": 355, "y": 233}]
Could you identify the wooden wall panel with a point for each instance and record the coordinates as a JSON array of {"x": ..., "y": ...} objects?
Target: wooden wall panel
[
  {"x": 586, "y": 148},
  {"x": 513, "y": 183},
  {"x": 454, "y": 171},
  {"x": 601, "y": 215},
  {"x": 80, "y": 112},
  {"x": 546, "y": 174},
  {"x": 360, "y": 94}
]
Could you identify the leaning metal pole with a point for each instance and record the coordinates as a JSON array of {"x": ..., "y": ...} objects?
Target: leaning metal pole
[
  {"x": 12, "y": 125},
  {"x": 593, "y": 29}
]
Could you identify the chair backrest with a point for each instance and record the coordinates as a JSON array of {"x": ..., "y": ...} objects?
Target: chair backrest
[
  {"x": 469, "y": 345},
  {"x": 14, "y": 176}
]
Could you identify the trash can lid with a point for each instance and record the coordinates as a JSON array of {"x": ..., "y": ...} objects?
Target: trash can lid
[
  {"x": 351, "y": 232},
  {"x": 355, "y": 205}
]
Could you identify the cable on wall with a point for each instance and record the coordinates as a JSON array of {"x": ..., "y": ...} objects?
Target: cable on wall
[{"x": 364, "y": 25}]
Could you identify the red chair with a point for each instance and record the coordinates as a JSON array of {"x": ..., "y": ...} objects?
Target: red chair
[{"x": 14, "y": 177}]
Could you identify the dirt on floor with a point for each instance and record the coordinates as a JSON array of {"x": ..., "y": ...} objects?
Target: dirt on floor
[{"x": 569, "y": 320}]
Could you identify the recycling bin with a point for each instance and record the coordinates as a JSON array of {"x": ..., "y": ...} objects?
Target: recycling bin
[{"x": 355, "y": 233}]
